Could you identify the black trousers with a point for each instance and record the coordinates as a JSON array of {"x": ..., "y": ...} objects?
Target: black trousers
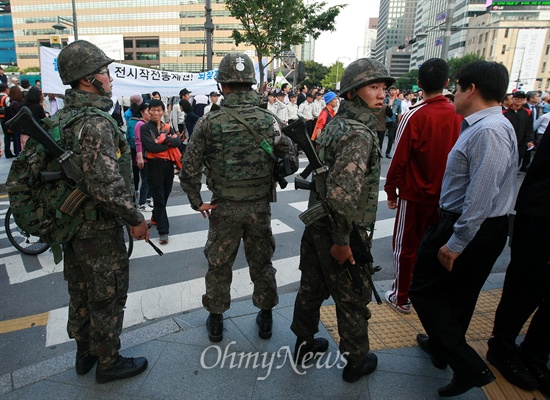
[
  {"x": 381, "y": 135},
  {"x": 160, "y": 177},
  {"x": 392, "y": 130},
  {"x": 526, "y": 287},
  {"x": 445, "y": 301}
]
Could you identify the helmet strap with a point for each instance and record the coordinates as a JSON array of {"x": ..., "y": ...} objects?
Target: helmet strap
[{"x": 99, "y": 86}]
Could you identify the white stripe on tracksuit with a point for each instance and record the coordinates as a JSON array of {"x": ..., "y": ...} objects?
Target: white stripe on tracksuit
[{"x": 397, "y": 241}]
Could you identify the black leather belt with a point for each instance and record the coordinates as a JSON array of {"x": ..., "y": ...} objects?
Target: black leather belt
[{"x": 447, "y": 215}]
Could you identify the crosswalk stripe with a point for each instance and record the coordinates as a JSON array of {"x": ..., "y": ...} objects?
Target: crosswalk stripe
[
  {"x": 17, "y": 273},
  {"x": 175, "y": 298}
]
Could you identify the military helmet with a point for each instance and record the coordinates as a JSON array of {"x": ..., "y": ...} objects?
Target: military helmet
[
  {"x": 361, "y": 72},
  {"x": 236, "y": 68},
  {"x": 80, "y": 59}
]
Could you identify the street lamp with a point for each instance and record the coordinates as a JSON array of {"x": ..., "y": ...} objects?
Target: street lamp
[
  {"x": 337, "y": 68},
  {"x": 62, "y": 23}
]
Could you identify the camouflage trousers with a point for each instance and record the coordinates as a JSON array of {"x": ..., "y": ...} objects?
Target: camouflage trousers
[
  {"x": 229, "y": 223},
  {"x": 96, "y": 268},
  {"x": 323, "y": 277}
]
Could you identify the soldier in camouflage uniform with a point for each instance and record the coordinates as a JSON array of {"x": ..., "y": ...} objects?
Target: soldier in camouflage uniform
[
  {"x": 349, "y": 147},
  {"x": 95, "y": 261},
  {"x": 231, "y": 143}
]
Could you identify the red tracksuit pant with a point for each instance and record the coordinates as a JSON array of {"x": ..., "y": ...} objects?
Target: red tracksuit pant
[{"x": 411, "y": 222}]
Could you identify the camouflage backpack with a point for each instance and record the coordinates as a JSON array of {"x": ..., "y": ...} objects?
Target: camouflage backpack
[{"x": 46, "y": 208}]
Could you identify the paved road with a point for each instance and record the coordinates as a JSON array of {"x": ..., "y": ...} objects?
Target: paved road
[{"x": 33, "y": 287}]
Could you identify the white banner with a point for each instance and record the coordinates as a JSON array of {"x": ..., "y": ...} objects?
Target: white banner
[
  {"x": 129, "y": 80},
  {"x": 527, "y": 57}
]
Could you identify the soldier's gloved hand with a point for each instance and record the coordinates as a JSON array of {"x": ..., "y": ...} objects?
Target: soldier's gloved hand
[
  {"x": 140, "y": 232},
  {"x": 342, "y": 254}
]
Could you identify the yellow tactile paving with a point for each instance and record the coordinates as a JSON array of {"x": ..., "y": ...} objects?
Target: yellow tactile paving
[{"x": 390, "y": 329}]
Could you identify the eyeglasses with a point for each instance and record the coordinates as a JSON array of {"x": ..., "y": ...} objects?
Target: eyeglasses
[{"x": 103, "y": 71}]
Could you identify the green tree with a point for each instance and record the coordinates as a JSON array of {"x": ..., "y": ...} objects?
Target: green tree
[
  {"x": 406, "y": 82},
  {"x": 334, "y": 75},
  {"x": 456, "y": 63},
  {"x": 315, "y": 72},
  {"x": 273, "y": 26}
]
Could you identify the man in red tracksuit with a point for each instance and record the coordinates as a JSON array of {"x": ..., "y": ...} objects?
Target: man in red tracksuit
[{"x": 425, "y": 136}]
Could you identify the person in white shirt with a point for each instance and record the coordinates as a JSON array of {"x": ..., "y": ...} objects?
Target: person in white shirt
[
  {"x": 406, "y": 102},
  {"x": 292, "y": 108},
  {"x": 318, "y": 104},
  {"x": 214, "y": 99},
  {"x": 272, "y": 104},
  {"x": 282, "y": 111},
  {"x": 540, "y": 125},
  {"x": 52, "y": 104},
  {"x": 305, "y": 110}
]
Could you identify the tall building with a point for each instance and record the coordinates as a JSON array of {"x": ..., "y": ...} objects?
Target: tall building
[
  {"x": 431, "y": 20},
  {"x": 517, "y": 37},
  {"x": 395, "y": 25},
  {"x": 7, "y": 42},
  {"x": 369, "y": 43},
  {"x": 165, "y": 34}
]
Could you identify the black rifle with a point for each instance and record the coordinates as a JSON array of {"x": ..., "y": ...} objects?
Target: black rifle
[
  {"x": 360, "y": 252},
  {"x": 298, "y": 133},
  {"x": 71, "y": 169}
]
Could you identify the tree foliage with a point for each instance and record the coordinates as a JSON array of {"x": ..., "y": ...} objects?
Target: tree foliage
[
  {"x": 456, "y": 63},
  {"x": 334, "y": 75},
  {"x": 315, "y": 72},
  {"x": 273, "y": 26},
  {"x": 406, "y": 82}
]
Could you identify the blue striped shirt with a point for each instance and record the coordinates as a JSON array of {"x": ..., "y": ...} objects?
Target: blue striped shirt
[{"x": 481, "y": 173}]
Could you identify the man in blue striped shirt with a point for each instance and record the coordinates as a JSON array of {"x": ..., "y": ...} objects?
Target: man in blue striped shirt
[{"x": 458, "y": 252}]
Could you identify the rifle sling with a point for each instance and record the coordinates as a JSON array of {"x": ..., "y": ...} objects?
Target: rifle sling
[{"x": 261, "y": 141}]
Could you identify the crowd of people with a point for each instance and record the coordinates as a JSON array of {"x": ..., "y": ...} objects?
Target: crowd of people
[{"x": 452, "y": 181}]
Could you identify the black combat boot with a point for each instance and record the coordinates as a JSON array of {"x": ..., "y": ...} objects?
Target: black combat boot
[
  {"x": 122, "y": 368},
  {"x": 352, "y": 373},
  {"x": 84, "y": 360},
  {"x": 309, "y": 346},
  {"x": 264, "y": 319},
  {"x": 214, "y": 324}
]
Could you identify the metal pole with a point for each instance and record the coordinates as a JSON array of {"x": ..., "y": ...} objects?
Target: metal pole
[
  {"x": 209, "y": 27},
  {"x": 448, "y": 29},
  {"x": 75, "y": 24}
]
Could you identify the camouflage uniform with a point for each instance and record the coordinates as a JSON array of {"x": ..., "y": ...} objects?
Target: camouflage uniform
[
  {"x": 349, "y": 146},
  {"x": 240, "y": 175},
  {"x": 95, "y": 261}
]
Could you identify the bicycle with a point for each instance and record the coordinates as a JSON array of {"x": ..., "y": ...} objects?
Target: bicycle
[{"x": 33, "y": 246}]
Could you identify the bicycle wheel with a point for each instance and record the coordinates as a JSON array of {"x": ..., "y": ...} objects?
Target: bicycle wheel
[
  {"x": 128, "y": 240},
  {"x": 21, "y": 240}
]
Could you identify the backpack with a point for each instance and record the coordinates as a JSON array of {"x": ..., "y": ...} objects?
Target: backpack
[
  {"x": 35, "y": 203},
  {"x": 3, "y": 107}
]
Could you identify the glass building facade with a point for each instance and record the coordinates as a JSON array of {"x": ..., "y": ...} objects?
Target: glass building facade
[{"x": 165, "y": 34}]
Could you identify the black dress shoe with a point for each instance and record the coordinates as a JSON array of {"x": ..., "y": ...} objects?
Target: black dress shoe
[
  {"x": 423, "y": 343},
  {"x": 388, "y": 156},
  {"x": 353, "y": 373},
  {"x": 264, "y": 319},
  {"x": 513, "y": 369},
  {"x": 462, "y": 385},
  {"x": 214, "y": 324},
  {"x": 122, "y": 368},
  {"x": 10, "y": 155},
  {"x": 311, "y": 346}
]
